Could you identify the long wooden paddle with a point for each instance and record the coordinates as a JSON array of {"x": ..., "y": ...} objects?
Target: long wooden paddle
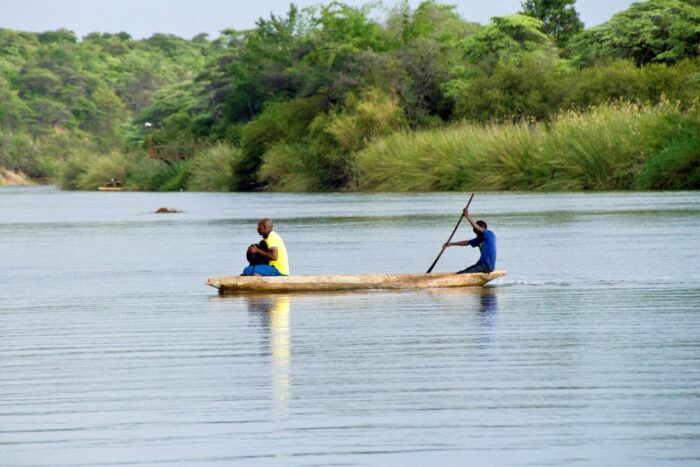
[{"x": 451, "y": 235}]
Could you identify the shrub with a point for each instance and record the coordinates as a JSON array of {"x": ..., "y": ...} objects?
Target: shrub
[
  {"x": 175, "y": 178},
  {"x": 535, "y": 87},
  {"x": 284, "y": 122},
  {"x": 15, "y": 149},
  {"x": 101, "y": 170},
  {"x": 324, "y": 159},
  {"x": 72, "y": 169},
  {"x": 213, "y": 169},
  {"x": 145, "y": 173},
  {"x": 676, "y": 165},
  {"x": 289, "y": 167}
]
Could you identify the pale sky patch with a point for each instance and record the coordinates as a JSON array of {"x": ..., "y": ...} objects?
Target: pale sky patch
[{"x": 187, "y": 18}]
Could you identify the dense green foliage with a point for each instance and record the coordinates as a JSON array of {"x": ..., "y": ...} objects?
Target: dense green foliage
[
  {"x": 64, "y": 100},
  {"x": 308, "y": 101},
  {"x": 664, "y": 31}
]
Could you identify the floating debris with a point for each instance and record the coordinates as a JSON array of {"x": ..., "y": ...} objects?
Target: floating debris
[{"x": 166, "y": 211}]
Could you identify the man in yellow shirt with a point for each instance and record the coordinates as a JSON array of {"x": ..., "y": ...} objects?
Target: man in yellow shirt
[{"x": 276, "y": 253}]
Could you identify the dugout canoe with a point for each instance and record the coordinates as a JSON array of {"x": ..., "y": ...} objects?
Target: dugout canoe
[{"x": 242, "y": 284}]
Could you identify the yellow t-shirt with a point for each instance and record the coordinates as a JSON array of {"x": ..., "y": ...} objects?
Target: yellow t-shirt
[{"x": 273, "y": 240}]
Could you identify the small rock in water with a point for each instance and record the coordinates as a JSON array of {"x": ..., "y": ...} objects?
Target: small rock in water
[{"x": 166, "y": 211}]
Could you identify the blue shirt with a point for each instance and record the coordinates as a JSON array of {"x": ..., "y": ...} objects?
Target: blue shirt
[{"x": 487, "y": 245}]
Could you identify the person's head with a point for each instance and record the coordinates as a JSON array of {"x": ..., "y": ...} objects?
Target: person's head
[
  {"x": 481, "y": 224},
  {"x": 265, "y": 227}
]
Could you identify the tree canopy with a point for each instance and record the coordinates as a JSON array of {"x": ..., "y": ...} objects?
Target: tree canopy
[
  {"x": 655, "y": 31},
  {"x": 559, "y": 17}
]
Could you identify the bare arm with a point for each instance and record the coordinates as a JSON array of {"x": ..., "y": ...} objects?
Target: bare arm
[
  {"x": 462, "y": 243},
  {"x": 477, "y": 227}
]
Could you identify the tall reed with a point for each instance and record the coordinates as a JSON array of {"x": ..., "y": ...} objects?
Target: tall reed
[
  {"x": 85, "y": 171},
  {"x": 213, "y": 169},
  {"x": 604, "y": 148}
]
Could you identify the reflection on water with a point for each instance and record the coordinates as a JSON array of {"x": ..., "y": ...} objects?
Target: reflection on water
[
  {"x": 488, "y": 305},
  {"x": 476, "y": 304},
  {"x": 488, "y": 301},
  {"x": 273, "y": 310},
  {"x": 488, "y": 312}
]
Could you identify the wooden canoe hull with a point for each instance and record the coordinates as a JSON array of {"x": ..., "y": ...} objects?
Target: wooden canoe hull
[{"x": 242, "y": 284}]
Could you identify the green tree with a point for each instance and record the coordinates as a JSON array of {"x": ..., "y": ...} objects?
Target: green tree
[
  {"x": 534, "y": 88},
  {"x": 506, "y": 39},
  {"x": 559, "y": 17},
  {"x": 427, "y": 47},
  {"x": 58, "y": 36},
  {"x": 256, "y": 67},
  {"x": 663, "y": 31},
  {"x": 14, "y": 111},
  {"x": 40, "y": 81}
]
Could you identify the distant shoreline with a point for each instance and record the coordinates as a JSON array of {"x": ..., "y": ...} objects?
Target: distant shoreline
[{"x": 12, "y": 178}]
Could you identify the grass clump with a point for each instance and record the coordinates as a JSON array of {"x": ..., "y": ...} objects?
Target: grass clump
[
  {"x": 601, "y": 149},
  {"x": 213, "y": 169},
  {"x": 675, "y": 166},
  {"x": 146, "y": 174},
  {"x": 102, "y": 170},
  {"x": 289, "y": 167},
  {"x": 84, "y": 171},
  {"x": 611, "y": 147}
]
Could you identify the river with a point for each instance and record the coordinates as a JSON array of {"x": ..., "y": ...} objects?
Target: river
[{"x": 115, "y": 352}]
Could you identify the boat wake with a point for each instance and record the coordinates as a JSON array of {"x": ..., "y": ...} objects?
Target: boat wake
[{"x": 529, "y": 283}]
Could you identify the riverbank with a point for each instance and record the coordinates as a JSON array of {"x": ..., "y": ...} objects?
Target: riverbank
[
  {"x": 617, "y": 146},
  {"x": 12, "y": 178}
]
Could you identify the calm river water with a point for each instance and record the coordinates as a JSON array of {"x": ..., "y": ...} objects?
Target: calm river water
[{"x": 113, "y": 351}]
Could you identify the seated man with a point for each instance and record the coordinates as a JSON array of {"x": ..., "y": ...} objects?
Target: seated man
[
  {"x": 485, "y": 240},
  {"x": 270, "y": 260}
]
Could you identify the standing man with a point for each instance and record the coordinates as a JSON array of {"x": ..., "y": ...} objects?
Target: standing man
[
  {"x": 485, "y": 240},
  {"x": 276, "y": 253}
]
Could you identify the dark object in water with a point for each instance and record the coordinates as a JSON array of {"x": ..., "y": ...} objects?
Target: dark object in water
[
  {"x": 255, "y": 258},
  {"x": 166, "y": 211}
]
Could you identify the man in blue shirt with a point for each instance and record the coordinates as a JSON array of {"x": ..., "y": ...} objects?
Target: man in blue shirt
[{"x": 485, "y": 240}]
